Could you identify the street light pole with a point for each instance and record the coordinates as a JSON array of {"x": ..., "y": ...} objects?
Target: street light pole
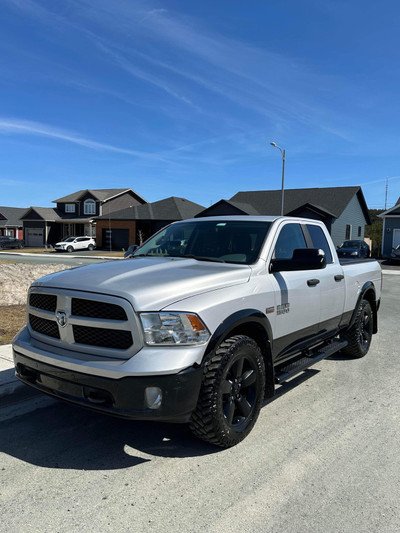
[{"x": 283, "y": 152}]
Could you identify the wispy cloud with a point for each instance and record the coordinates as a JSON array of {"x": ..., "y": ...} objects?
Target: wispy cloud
[
  {"x": 7, "y": 182},
  {"x": 145, "y": 76},
  {"x": 271, "y": 85},
  {"x": 23, "y": 127}
]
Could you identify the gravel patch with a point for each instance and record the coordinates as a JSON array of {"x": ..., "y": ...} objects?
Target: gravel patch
[{"x": 16, "y": 278}]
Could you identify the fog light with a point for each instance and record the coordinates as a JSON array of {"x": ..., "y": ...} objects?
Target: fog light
[{"x": 153, "y": 397}]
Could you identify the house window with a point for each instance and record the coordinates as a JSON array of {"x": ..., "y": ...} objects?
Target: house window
[
  {"x": 89, "y": 207},
  {"x": 10, "y": 232},
  {"x": 359, "y": 231},
  {"x": 348, "y": 232},
  {"x": 70, "y": 208}
]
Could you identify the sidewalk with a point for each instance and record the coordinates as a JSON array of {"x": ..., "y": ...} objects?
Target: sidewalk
[
  {"x": 16, "y": 398},
  {"x": 8, "y": 382}
]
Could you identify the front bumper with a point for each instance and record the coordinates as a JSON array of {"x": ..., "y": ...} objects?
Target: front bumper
[{"x": 124, "y": 397}]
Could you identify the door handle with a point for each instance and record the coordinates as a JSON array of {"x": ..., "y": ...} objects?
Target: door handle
[
  {"x": 312, "y": 282},
  {"x": 339, "y": 277}
]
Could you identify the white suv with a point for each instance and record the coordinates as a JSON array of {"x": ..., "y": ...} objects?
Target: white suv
[{"x": 75, "y": 243}]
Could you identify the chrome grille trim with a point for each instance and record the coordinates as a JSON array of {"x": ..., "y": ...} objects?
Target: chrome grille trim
[{"x": 122, "y": 346}]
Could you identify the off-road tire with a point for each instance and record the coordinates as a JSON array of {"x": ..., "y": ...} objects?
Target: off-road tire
[
  {"x": 359, "y": 334},
  {"x": 227, "y": 409},
  {"x": 70, "y": 249}
]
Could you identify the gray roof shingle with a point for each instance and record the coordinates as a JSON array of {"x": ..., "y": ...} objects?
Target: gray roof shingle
[
  {"x": 99, "y": 194},
  {"x": 333, "y": 200},
  {"x": 12, "y": 215},
  {"x": 172, "y": 208},
  {"x": 49, "y": 214}
]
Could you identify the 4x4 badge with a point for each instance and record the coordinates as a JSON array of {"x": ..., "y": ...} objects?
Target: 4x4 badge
[{"x": 61, "y": 318}]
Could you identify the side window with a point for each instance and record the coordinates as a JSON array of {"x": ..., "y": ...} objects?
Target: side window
[
  {"x": 290, "y": 238},
  {"x": 319, "y": 241}
]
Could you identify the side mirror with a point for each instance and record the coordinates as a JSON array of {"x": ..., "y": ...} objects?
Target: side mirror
[{"x": 302, "y": 259}]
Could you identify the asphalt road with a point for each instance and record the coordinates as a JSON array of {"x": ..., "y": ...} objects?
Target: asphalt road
[{"x": 324, "y": 456}]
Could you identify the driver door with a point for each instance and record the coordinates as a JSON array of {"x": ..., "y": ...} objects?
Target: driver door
[{"x": 297, "y": 294}]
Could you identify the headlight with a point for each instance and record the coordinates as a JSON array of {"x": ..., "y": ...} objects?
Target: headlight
[
  {"x": 173, "y": 328},
  {"x": 354, "y": 253}
]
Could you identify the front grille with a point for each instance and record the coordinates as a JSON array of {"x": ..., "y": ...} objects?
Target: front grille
[
  {"x": 44, "y": 326},
  {"x": 94, "y": 323},
  {"x": 107, "y": 338},
  {"x": 48, "y": 302},
  {"x": 96, "y": 309}
]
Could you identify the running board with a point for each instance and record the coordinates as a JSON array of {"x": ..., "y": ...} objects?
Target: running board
[{"x": 291, "y": 369}]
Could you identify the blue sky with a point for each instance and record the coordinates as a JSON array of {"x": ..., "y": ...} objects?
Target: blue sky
[{"x": 182, "y": 98}]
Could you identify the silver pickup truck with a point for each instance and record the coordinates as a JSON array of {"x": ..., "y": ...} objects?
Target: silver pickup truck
[{"x": 201, "y": 324}]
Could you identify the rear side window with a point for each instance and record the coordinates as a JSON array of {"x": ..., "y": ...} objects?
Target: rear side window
[
  {"x": 290, "y": 238},
  {"x": 319, "y": 241}
]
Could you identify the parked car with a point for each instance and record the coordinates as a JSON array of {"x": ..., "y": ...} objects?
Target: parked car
[
  {"x": 75, "y": 243},
  {"x": 395, "y": 255},
  {"x": 353, "y": 249},
  {"x": 129, "y": 253},
  {"x": 201, "y": 333},
  {"x": 11, "y": 242}
]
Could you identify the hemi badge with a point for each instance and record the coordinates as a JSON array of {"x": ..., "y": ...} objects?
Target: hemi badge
[{"x": 270, "y": 310}]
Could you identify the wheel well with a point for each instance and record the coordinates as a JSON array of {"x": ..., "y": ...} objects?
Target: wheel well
[{"x": 256, "y": 332}]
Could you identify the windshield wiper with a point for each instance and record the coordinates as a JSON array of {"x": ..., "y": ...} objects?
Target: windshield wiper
[
  {"x": 201, "y": 258},
  {"x": 185, "y": 256},
  {"x": 147, "y": 255}
]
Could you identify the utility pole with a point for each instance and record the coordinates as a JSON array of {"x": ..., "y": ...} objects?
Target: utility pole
[
  {"x": 386, "y": 193},
  {"x": 283, "y": 153}
]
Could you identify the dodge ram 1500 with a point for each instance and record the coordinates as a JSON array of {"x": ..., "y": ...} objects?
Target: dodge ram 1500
[{"x": 202, "y": 323}]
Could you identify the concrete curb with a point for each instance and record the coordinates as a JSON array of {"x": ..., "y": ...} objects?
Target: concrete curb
[
  {"x": 9, "y": 384},
  {"x": 16, "y": 398}
]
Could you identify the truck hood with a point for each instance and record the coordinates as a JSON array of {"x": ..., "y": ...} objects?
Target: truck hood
[{"x": 149, "y": 283}]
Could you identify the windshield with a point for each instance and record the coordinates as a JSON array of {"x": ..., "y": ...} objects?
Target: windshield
[
  {"x": 350, "y": 244},
  {"x": 209, "y": 240},
  {"x": 70, "y": 239}
]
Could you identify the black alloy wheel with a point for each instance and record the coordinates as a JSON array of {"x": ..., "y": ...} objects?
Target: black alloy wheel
[
  {"x": 239, "y": 391},
  {"x": 359, "y": 334},
  {"x": 365, "y": 328}
]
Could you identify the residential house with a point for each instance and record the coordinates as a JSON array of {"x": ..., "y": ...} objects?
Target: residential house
[
  {"x": 10, "y": 221},
  {"x": 391, "y": 229},
  {"x": 74, "y": 215},
  {"x": 138, "y": 222},
  {"x": 342, "y": 209}
]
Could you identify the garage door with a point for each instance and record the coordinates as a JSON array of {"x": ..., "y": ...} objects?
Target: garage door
[
  {"x": 115, "y": 239},
  {"x": 34, "y": 237}
]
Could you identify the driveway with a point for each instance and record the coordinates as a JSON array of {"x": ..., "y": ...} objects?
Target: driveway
[{"x": 323, "y": 457}]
